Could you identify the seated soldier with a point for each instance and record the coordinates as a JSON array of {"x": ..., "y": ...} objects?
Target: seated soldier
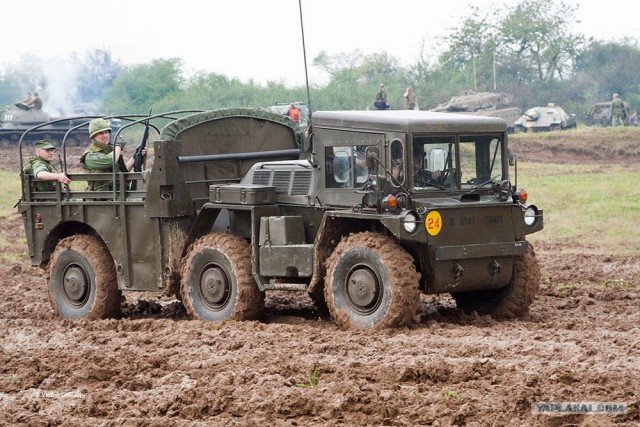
[
  {"x": 40, "y": 166},
  {"x": 421, "y": 176},
  {"x": 99, "y": 157}
]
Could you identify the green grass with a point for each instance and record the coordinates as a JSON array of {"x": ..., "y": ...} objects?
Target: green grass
[
  {"x": 10, "y": 192},
  {"x": 600, "y": 205}
]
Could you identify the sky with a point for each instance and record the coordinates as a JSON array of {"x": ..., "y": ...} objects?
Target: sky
[{"x": 257, "y": 40}]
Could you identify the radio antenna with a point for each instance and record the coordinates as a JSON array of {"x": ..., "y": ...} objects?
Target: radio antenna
[{"x": 304, "y": 53}]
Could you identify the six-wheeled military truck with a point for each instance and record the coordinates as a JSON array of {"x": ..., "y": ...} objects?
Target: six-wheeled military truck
[{"x": 364, "y": 211}]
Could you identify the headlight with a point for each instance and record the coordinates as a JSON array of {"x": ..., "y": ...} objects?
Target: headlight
[
  {"x": 531, "y": 215},
  {"x": 410, "y": 222}
]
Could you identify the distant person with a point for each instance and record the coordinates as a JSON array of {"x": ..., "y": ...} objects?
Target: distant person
[
  {"x": 410, "y": 101},
  {"x": 36, "y": 103},
  {"x": 294, "y": 113},
  {"x": 98, "y": 157},
  {"x": 40, "y": 166},
  {"x": 24, "y": 104},
  {"x": 381, "y": 99},
  {"x": 618, "y": 111},
  {"x": 633, "y": 119}
]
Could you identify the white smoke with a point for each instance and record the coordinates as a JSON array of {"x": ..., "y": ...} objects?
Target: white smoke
[{"x": 60, "y": 88}]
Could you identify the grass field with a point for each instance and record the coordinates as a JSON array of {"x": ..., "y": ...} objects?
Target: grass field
[{"x": 599, "y": 204}]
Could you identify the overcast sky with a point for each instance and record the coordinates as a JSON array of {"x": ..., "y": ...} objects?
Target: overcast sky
[{"x": 256, "y": 39}]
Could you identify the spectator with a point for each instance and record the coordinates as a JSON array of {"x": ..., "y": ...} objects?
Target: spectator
[
  {"x": 410, "y": 101},
  {"x": 381, "y": 99},
  {"x": 294, "y": 113}
]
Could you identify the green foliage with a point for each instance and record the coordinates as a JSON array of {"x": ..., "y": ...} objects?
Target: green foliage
[
  {"x": 11, "y": 191},
  {"x": 313, "y": 380},
  {"x": 449, "y": 393},
  {"x": 144, "y": 86}
]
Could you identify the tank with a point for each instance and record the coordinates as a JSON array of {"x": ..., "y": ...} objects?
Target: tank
[
  {"x": 544, "y": 119},
  {"x": 15, "y": 119},
  {"x": 490, "y": 104}
]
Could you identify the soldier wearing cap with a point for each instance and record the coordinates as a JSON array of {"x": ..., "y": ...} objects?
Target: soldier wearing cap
[
  {"x": 99, "y": 157},
  {"x": 40, "y": 166},
  {"x": 381, "y": 99}
]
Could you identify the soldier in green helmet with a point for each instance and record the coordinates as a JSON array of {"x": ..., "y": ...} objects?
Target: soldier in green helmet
[
  {"x": 99, "y": 157},
  {"x": 40, "y": 166}
]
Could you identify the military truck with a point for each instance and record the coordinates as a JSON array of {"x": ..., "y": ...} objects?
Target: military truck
[
  {"x": 490, "y": 104},
  {"x": 238, "y": 202},
  {"x": 599, "y": 114}
]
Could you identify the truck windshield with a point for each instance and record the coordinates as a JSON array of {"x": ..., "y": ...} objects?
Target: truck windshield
[{"x": 456, "y": 162}]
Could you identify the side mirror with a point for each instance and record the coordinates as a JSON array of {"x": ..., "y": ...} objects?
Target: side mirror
[{"x": 373, "y": 156}]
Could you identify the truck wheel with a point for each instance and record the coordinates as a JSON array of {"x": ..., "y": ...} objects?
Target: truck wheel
[
  {"x": 511, "y": 301},
  {"x": 217, "y": 283},
  {"x": 82, "y": 279},
  {"x": 371, "y": 282}
]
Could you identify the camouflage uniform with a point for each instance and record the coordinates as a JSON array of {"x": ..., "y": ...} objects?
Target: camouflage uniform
[{"x": 617, "y": 111}]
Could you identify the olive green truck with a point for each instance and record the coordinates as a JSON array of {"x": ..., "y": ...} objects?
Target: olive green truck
[{"x": 363, "y": 210}]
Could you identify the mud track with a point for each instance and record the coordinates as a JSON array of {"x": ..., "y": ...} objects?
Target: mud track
[{"x": 580, "y": 342}]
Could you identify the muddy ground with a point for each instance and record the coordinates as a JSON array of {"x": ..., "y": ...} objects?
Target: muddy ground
[{"x": 579, "y": 343}]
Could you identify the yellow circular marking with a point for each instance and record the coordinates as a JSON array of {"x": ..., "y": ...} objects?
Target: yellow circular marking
[{"x": 433, "y": 223}]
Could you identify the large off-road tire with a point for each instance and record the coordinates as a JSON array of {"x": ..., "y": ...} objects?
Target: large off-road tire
[
  {"x": 511, "y": 301},
  {"x": 371, "y": 282},
  {"x": 82, "y": 279},
  {"x": 217, "y": 283}
]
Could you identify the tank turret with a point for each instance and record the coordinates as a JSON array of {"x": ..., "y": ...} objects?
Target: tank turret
[{"x": 491, "y": 104}]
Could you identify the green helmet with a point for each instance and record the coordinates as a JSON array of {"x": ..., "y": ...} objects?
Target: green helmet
[{"x": 97, "y": 126}]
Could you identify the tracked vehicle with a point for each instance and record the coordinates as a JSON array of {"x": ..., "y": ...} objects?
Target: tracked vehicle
[
  {"x": 490, "y": 104},
  {"x": 239, "y": 203}
]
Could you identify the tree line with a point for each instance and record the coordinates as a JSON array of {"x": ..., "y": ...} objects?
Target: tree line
[{"x": 526, "y": 50}]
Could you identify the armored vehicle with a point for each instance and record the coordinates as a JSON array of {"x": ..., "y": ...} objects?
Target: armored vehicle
[
  {"x": 364, "y": 212},
  {"x": 599, "y": 114},
  {"x": 15, "y": 121},
  {"x": 544, "y": 119},
  {"x": 483, "y": 104}
]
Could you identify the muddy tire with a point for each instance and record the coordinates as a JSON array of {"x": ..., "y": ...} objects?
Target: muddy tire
[
  {"x": 217, "y": 283},
  {"x": 371, "y": 282},
  {"x": 82, "y": 279},
  {"x": 511, "y": 301}
]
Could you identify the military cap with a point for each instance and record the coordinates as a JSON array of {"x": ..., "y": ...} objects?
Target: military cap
[{"x": 45, "y": 143}]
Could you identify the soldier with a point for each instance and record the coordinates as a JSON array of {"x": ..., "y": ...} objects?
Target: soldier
[
  {"x": 24, "y": 104},
  {"x": 410, "y": 101},
  {"x": 618, "y": 112},
  {"x": 40, "y": 166},
  {"x": 98, "y": 158},
  {"x": 36, "y": 103},
  {"x": 381, "y": 99}
]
